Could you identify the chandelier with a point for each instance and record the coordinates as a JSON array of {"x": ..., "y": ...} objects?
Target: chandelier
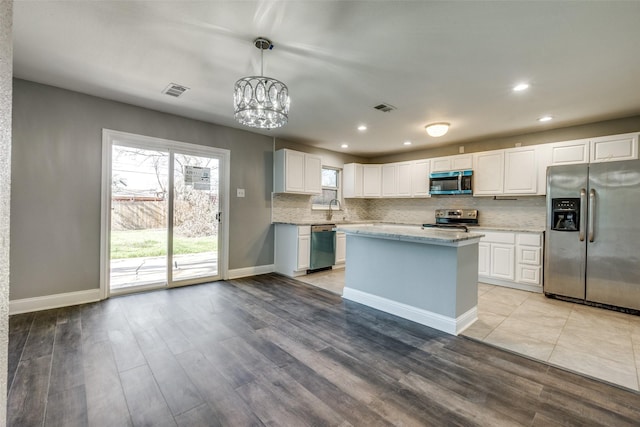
[{"x": 261, "y": 102}]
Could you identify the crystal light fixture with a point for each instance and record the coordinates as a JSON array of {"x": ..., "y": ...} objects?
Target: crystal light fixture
[
  {"x": 261, "y": 102},
  {"x": 437, "y": 129}
]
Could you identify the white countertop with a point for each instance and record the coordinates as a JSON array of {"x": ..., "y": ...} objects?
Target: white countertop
[
  {"x": 411, "y": 233},
  {"x": 474, "y": 228}
]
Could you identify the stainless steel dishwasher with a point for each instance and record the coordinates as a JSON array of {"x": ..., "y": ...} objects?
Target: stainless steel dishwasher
[{"x": 323, "y": 246}]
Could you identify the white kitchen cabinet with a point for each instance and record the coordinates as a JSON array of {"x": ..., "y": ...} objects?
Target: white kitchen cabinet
[
  {"x": 420, "y": 170},
  {"x": 312, "y": 174},
  {"x": 520, "y": 171},
  {"x": 371, "y": 180},
  {"x": 396, "y": 179},
  {"x": 529, "y": 259},
  {"x": 352, "y": 180},
  {"x": 405, "y": 172},
  {"x": 297, "y": 172},
  {"x": 570, "y": 152},
  {"x": 484, "y": 259},
  {"x": 452, "y": 163},
  {"x": 614, "y": 148},
  {"x": 511, "y": 259},
  {"x": 389, "y": 180},
  {"x": 292, "y": 249},
  {"x": 304, "y": 251},
  {"x": 543, "y": 156},
  {"x": 502, "y": 261},
  {"x": 488, "y": 173},
  {"x": 341, "y": 248}
]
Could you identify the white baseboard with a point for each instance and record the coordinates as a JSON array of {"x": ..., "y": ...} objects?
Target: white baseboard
[
  {"x": 251, "y": 271},
  {"x": 446, "y": 324},
  {"x": 27, "y": 305},
  {"x": 509, "y": 284}
]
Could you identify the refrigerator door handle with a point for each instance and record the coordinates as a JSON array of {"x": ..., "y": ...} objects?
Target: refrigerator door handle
[
  {"x": 583, "y": 204},
  {"x": 592, "y": 210}
]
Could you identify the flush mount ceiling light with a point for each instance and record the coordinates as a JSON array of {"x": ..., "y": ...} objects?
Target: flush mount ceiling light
[
  {"x": 545, "y": 119},
  {"x": 362, "y": 128},
  {"x": 520, "y": 87},
  {"x": 261, "y": 102},
  {"x": 437, "y": 129},
  {"x": 406, "y": 143}
]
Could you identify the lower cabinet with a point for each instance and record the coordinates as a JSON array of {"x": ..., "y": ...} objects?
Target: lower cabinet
[
  {"x": 341, "y": 248},
  {"x": 511, "y": 259},
  {"x": 292, "y": 249}
]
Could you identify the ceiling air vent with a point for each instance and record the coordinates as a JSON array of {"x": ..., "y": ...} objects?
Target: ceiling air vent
[
  {"x": 175, "y": 90},
  {"x": 385, "y": 108}
]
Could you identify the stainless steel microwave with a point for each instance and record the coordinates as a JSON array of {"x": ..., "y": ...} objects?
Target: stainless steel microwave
[{"x": 452, "y": 182}]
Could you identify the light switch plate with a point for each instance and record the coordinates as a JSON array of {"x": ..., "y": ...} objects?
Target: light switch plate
[{"x": 240, "y": 192}]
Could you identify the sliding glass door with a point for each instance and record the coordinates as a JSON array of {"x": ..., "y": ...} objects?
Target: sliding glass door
[
  {"x": 164, "y": 213},
  {"x": 196, "y": 216}
]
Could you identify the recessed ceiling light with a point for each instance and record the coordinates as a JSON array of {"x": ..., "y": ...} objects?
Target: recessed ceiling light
[
  {"x": 344, "y": 146},
  {"x": 407, "y": 143},
  {"x": 437, "y": 129},
  {"x": 362, "y": 128},
  {"x": 520, "y": 87},
  {"x": 545, "y": 119}
]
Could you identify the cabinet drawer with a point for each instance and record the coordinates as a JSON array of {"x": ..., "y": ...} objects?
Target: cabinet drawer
[
  {"x": 529, "y": 255},
  {"x": 304, "y": 230},
  {"x": 530, "y": 239},
  {"x": 497, "y": 237},
  {"x": 528, "y": 274}
]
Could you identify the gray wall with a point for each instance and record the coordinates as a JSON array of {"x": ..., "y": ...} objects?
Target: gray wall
[
  {"x": 56, "y": 175},
  {"x": 329, "y": 158},
  {"x": 6, "y": 71},
  {"x": 591, "y": 130}
]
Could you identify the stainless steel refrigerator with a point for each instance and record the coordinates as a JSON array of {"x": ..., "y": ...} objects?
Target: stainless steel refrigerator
[{"x": 592, "y": 241}]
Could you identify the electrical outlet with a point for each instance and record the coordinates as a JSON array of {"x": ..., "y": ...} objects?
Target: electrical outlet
[
  {"x": 240, "y": 192},
  {"x": 461, "y": 149}
]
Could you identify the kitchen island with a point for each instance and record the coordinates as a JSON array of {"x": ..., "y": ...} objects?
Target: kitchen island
[{"x": 427, "y": 276}]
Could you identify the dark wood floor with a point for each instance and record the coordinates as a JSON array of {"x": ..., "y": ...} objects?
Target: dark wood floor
[{"x": 272, "y": 351}]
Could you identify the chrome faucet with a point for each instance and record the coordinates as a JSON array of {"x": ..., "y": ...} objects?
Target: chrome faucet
[{"x": 330, "y": 213}]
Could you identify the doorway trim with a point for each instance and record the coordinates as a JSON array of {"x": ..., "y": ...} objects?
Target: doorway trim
[{"x": 109, "y": 137}]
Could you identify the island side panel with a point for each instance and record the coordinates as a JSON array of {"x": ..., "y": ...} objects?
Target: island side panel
[
  {"x": 420, "y": 275},
  {"x": 467, "y": 279}
]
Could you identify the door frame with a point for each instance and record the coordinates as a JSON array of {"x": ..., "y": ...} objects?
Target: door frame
[{"x": 110, "y": 137}]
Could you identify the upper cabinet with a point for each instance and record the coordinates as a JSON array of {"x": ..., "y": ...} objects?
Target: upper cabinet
[
  {"x": 614, "y": 148},
  {"x": 488, "y": 173},
  {"x": 569, "y": 152},
  {"x": 520, "y": 171},
  {"x": 401, "y": 179},
  {"x": 452, "y": 163},
  {"x": 420, "y": 170},
  {"x": 352, "y": 180},
  {"x": 396, "y": 179},
  {"x": 297, "y": 172},
  {"x": 371, "y": 181},
  {"x": 511, "y": 171}
]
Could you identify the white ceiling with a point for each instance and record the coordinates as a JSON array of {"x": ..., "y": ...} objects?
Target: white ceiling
[{"x": 453, "y": 61}]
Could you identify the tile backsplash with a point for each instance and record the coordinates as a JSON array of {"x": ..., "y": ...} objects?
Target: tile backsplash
[{"x": 525, "y": 212}]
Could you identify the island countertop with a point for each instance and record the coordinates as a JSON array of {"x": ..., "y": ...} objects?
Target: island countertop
[{"x": 412, "y": 234}]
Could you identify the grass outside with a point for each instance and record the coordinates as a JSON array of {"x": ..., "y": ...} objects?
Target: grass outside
[{"x": 153, "y": 242}]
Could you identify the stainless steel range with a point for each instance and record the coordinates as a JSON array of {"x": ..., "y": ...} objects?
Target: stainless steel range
[{"x": 456, "y": 219}]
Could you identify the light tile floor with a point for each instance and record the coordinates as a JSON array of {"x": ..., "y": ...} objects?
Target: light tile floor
[{"x": 591, "y": 341}]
